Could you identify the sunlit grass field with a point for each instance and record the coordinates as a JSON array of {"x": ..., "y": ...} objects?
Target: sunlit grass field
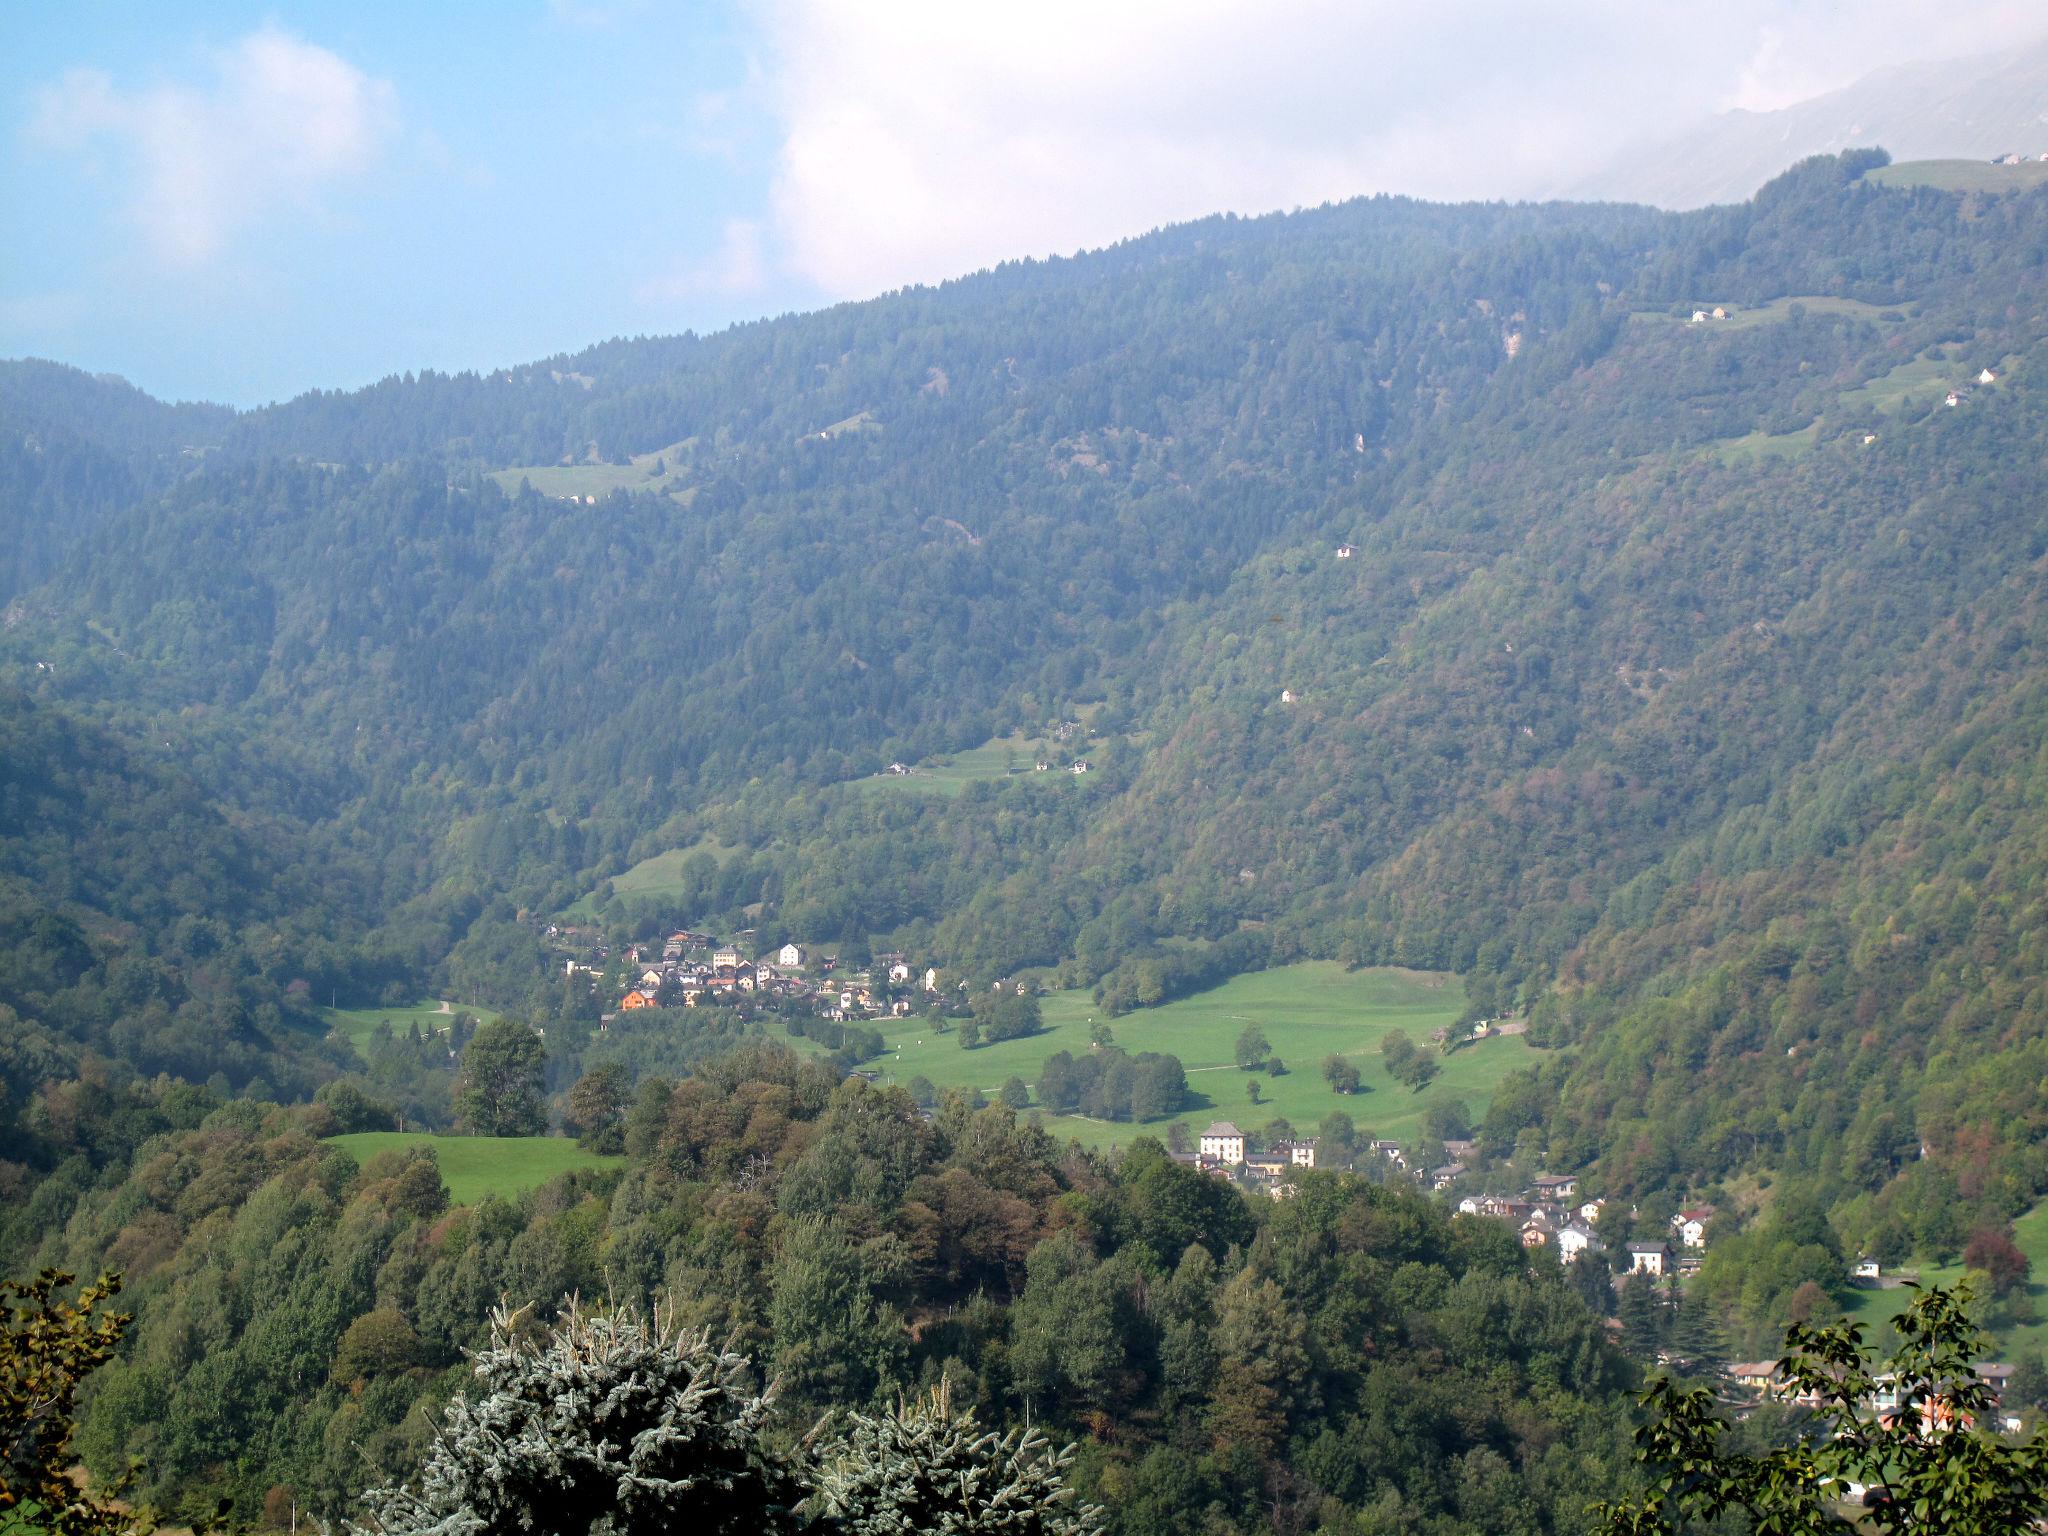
[
  {"x": 1307, "y": 1011},
  {"x": 358, "y": 1024},
  {"x": 1961, "y": 175},
  {"x": 475, "y": 1166}
]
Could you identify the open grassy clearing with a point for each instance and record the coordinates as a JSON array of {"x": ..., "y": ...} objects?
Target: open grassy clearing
[
  {"x": 1919, "y": 382},
  {"x": 1875, "y": 1309},
  {"x": 660, "y": 470},
  {"x": 358, "y": 1024},
  {"x": 859, "y": 421},
  {"x": 1763, "y": 445},
  {"x": 475, "y": 1166},
  {"x": 1776, "y": 312},
  {"x": 661, "y": 875},
  {"x": 1308, "y": 1011},
  {"x": 1961, "y": 175},
  {"x": 999, "y": 757}
]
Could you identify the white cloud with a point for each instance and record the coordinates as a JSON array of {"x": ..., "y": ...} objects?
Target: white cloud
[
  {"x": 279, "y": 119},
  {"x": 925, "y": 138},
  {"x": 736, "y": 268}
]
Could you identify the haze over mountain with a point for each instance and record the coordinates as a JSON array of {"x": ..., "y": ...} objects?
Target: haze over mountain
[{"x": 1971, "y": 108}]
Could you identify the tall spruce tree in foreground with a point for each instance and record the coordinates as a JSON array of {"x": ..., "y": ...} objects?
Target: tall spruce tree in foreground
[
  {"x": 1922, "y": 1463},
  {"x": 610, "y": 1425},
  {"x": 928, "y": 1470}
]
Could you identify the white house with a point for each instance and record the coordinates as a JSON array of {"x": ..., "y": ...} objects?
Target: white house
[
  {"x": 1222, "y": 1141},
  {"x": 1288, "y": 696},
  {"x": 1647, "y": 1258},
  {"x": 1343, "y": 551},
  {"x": 1690, "y": 1227},
  {"x": 1299, "y": 1154},
  {"x": 900, "y": 971},
  {"x": 1953, "y": 399},
  {"x": 931, "y": 978},
  {"x": 1589, "y": 1212},
  {"x": 1987, "y": 377},
  {"x": 1575, "y": 1238},
  {"x": 1082, "y": 765},
  {"x": 725, "y": 957},
  {"x": 790, "y": 955},
  {"x": 1554, "y": 1186},
  {"x": 1867, "y": 1269}
]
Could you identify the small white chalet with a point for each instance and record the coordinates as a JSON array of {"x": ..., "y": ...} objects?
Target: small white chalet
[
  {"x": 1648, "y": 1258},
  {"x": 791, "y": 955}
]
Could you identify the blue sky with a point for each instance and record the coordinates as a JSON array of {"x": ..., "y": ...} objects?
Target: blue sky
[{"x": 239, "y": 202}]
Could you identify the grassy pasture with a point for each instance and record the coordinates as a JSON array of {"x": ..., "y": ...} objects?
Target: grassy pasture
[
  {"x": 1308, "y": 1011},
  {"x": 600, "y": 480},
  {"x": 1920, "y": 380},
  {"x": 1875, "y": 1309},
  {"x": 997, "y": 758},
  {"x": 1961, "y": 175},
  {"x": 1762, "y": 445},
  {"x": 1777, "y": 311},
  {"x": 475, "y": 1166},
  {"x": 661, "y": 875},
  {"x": 358, "y": 1024}
]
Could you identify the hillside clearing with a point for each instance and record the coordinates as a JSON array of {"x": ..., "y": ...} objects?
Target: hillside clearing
[
  {"x": 1307, "y": 1011},
  {"x": 359, "y": 1024},
  {"x": 475, "y": 1166},
  {"x": 1961, "y": 175},
  {"x": 661, "y": 470}
]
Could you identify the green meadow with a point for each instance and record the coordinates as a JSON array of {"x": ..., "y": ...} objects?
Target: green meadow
[
  {"x": 661, "y": 875},
  {"x": 358, "y": 1024},
  {"x": 997, "y": 758},
  {"x": 1307, "y": 1011},
  {"x": 475, "y": 1166},
  {"x": 1775, "y": 312},
  {"x": 1961, "y": 175},
  {"x": 1876, "y": 1308},
  {"x": 661, "y": 470}
]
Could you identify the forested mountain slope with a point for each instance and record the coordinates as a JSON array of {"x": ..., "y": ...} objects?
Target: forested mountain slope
[{"x": 1682, "y": 685}]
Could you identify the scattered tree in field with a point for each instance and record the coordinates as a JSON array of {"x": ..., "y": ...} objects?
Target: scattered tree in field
[
  {"x": 1340, "y": 1074},
  {"x": 1251, "y": 1089},
  {"x": 1929, "y": 1466},
  {"x": 1405, "y": 1063},
  {"x": 610, "y": 1423},
  {"x": 1252, "y": 1048},
  {"x": 1992, "y": 1250},
  {"x": 1015, "y": 1093},
  {"x": 1275, "y": 1067},
  {"x": 498, "y": 1092},
  {"x": 927, "y": 1468}
]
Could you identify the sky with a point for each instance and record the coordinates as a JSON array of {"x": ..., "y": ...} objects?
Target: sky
[{"x": 240, "y": 202}]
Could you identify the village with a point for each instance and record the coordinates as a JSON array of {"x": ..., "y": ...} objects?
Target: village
[{"x": 690, "y": 969}]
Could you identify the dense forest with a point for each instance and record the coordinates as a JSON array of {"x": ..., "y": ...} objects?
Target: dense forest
[{"x": 1682, "y": 684}]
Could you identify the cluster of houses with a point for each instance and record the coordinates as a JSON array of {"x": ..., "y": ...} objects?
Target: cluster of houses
[
  {"x": 1702, "y": 316},
  {"x": 1761, "y": 1381},
  {"x": 694, "y": 969},
  {"x": 1962, "y": 392},
  {"x": 1226, "y": 1152},
  {"x": 1545, "y": 1216}
]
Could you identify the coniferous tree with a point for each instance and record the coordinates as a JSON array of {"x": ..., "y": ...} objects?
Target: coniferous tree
[
  {"x": 930, "y": 1469},
  {"x": 613, "y": 1423}
]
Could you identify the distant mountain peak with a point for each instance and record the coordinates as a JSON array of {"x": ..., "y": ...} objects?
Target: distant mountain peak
[{"x": 1970, "y": 108}]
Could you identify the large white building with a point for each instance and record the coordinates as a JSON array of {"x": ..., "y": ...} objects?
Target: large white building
[{"x": 1224, "y": 1142}]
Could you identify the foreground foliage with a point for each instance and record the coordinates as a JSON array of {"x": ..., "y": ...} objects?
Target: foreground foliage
[
  {"x": 1923, "y": 1463},
  {"x": 611, "y": 1423},
  {"x": 606, "y": 1423}
]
